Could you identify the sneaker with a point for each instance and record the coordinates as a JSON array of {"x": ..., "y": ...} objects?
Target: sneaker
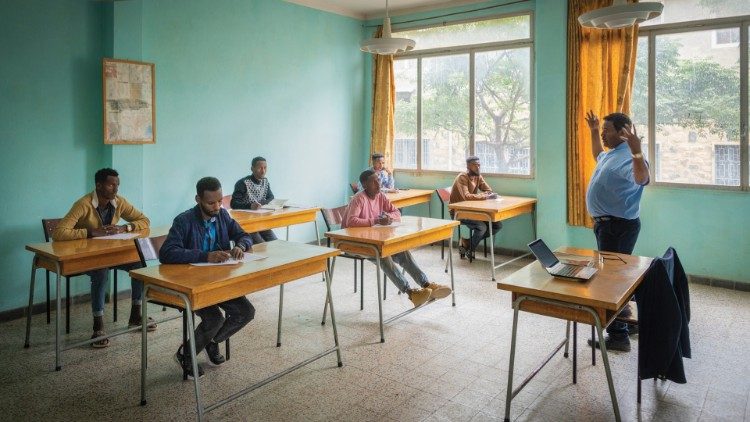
[
  {"x": 214, "y": 355},
  {"x": 613, "y": 344},
  {"x": 463, "y": 248},
  {"x": 136, "y": 322},
  {"x": 419, "y": 296},
  {"x": 439, "y": 291},
  {"x": 101, "y": 343},
  {"x": 185, "y": 363}
]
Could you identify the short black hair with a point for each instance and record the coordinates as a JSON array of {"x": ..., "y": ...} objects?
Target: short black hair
[
  {"x": 210, "y": 184},
  {"x": 255, "y": 161},
  {"x": 364, "y": 176},
  {"x": 471, "y": 158},
  {"x": 377, "y": 156},
  {"x": 102, "y": 175},
  {"x": 619, "y": 120}
]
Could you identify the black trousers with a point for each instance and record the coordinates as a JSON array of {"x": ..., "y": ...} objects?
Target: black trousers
[{"x": 216, "y": 327}]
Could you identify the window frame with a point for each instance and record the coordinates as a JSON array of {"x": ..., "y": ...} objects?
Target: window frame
[
  {"x": 471, "y": 50},
  {"x": 650, "y": 33}
]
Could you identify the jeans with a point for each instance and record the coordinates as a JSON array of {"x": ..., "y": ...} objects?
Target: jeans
[
  {"x": 215, "y": 327},
  {"x": 480, "y": 230},
  {"x": 263, "y": 236},
  {"x": 406, "y": 260},
  {"x": 617, "y": 235},
  {"x": 99, "y": 281}
]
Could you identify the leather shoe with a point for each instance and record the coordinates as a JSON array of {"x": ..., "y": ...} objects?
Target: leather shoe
[
  {"x": 214, "y": 355},
  {"x": 614, "y": 344}
]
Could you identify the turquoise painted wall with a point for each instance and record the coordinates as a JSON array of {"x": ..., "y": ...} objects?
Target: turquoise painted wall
[
  {"x": 234, "y": 79},
  {"x": 709, "y": 228},
  {"x": 50, "y": 124}
]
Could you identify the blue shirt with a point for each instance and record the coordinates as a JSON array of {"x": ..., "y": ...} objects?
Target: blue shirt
[
  {"x": 612, "y": 189},
  {"x": 386, "y": 180},
  {"x": 209, "y": 239}
]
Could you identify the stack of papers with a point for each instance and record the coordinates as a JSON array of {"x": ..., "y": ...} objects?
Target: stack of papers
[{"x": 231, "y": 261}]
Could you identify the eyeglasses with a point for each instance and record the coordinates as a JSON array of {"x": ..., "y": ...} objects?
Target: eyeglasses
[{"x": 611, "y": 257}]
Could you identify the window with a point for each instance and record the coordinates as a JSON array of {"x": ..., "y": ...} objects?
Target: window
[
  {"x": 466, "y": 90},
  {"x": 406, "y": 153},
  {"x": 692, "y": 115}
]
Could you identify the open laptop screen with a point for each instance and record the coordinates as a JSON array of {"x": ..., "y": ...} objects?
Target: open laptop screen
[{"x": 542, "y": 253}]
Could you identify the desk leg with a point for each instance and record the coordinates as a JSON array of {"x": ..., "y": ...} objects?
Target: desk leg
[
  {"x": 32, "y": 281},
  {"x": 281, "y": 306},
  {"x": 380, "y": 298},
  {"x": 492, "y": 249},
  {"x": 331, "y": 266},
  {"x": 329, "y": 300},
  {"x": 287, "y": 233},
  {"x": 58, "y": 311},
  {"x": 593, "y": 347},
  {"x": 509, "y": 392},
  {"x": 144, "y": 343},
  {"x": 450, "y": 261},
  {"x": 605, "y": 359},
  {"x": 567, "y": 338},
  {"x": 575, "y": 351}
]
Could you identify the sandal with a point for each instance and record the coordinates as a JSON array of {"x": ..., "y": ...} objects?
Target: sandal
[{"x": 101, "y": 343}]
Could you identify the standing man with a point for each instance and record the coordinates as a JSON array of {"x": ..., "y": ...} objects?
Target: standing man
[
  {"x": 251, "y": 192},
  {"x": 385, "y": 175},
  {"x": 202, "y": 234},
  {"x": 97, "y": 214},
  {"x": 614, "y": 195},
  {"x": 470, "y": 186},
  {"x": 370, "y": 207}
]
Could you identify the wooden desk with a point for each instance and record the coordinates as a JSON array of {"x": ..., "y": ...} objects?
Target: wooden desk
[
  {"x": 381, "y": 242},
  {"x": 254, "y": 222},
  {"x": 70, "y": 257},
  {"x": 192, "y": 288},
  {"x": 595, "y": 302},
  {"x": 493, "y": 210},
  {"x": 408, "y": 197}
]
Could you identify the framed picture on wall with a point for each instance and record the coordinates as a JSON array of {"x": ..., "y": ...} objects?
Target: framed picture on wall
[{"x": 128, "y": 99}]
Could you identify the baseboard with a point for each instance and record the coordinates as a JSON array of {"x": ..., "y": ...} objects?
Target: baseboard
[
  {"x": 717, "y": 282},
  {"x": 41, "y": 307}
]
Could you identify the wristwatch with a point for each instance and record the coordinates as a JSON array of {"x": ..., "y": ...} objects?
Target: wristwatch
[
  {"x": 241, "y": 246},
  {"x": 638, "y": 155}
]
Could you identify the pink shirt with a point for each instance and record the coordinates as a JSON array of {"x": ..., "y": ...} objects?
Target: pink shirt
[{"x": 363, "y": 211}]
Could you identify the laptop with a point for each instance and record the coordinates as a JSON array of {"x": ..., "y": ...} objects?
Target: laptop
[
  {"x": 275, "y": 204},
  {"x": 556, "y": 268}
]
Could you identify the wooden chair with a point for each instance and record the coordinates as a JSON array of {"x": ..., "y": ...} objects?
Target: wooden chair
[
  {"x": 226, "y": 202},
  {"x": 444, "y": 195},
  {"x": 354, "y": 186},
  {"x": 333, "y": 217},
  {"x": 49, "y": 225},
  {"x": 148, "y": 250}
]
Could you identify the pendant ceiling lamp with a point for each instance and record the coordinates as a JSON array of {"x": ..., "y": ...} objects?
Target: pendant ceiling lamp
[
  {"x": 620, "y": 15},
  {"x": 386, "y": 45}
]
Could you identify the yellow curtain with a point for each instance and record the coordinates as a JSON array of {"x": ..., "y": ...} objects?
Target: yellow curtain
[
  {"x": 383, "y": 102},
  {"x": 601, "y": 66}
]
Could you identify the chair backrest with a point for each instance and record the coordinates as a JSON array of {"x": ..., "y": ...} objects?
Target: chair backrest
[
  {"x": 49, "y": 225},
  {"x": 148, "y": 247},
  {"x": 444, "y": 194},
  {"x": 226, "y": 201},
  {"x": 333, "y": 217},
  {"x": 354, "y": 186}
]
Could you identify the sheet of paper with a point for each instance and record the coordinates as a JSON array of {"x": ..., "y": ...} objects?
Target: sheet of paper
[
  {"x": 258, "y": 211},
  {"x": 120, "y": 236},
  {"x": 231, "y": 261}
]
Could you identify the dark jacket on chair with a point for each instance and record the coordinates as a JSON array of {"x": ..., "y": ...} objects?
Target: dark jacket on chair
[{"x": 663, "y": 316}]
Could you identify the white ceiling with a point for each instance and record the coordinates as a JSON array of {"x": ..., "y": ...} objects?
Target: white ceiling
[{"x": 369, "y": 9}]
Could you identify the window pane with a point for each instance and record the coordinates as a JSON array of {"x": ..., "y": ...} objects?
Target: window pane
[
  {"x": 639, "y": 99},
  {"x": 445, "y": 112},
  {"x": 469, "y": 33},
  {"x": 502, "y": 131},
  {"x": 697, "y": 108},
  {"x": 691, "y": 10},
  {"x": 405, "y": 114}
]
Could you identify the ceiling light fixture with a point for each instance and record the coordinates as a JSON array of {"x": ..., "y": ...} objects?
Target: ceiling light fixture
[
  {"x": 620, "y": 15},
  {"x": 386, "y": 45}
]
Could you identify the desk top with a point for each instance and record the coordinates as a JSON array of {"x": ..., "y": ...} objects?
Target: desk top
[
  {"x": 405, "y": 194},
  {"x": 610, "y": 288},
  {"x": 241, "y": 216},
  {"x": 198, "y": 282},
  {"x": 83, "y": 248},
  {"x": 410, "y": 227},
  {"x": 493, "y": 205}
]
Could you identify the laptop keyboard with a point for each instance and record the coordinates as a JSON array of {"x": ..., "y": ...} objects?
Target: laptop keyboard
[{"x": 568, "y": 270}]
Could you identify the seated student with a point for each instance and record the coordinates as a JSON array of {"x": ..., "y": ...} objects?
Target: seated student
[
  {"x": 470, "y": 186},
  {"x": 370, "y": 207},
  {"x": 385, "y": 176},
  {"x": 202, "y": 234},
  {"x": 251, "y": 192},
  {"x": 97, "y": 214}
]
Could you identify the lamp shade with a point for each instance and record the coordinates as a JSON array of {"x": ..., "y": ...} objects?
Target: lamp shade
[
  {"x": 386, "y": 44},
  {"x": 621, "y": 14}
]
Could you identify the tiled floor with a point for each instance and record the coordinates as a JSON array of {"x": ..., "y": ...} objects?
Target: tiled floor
[{"x": 440, "y": 363}]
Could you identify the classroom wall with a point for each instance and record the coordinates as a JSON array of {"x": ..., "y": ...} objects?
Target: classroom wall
[
  {"x": 708, "y": 228},
  {"x": 234, "y": 79}
]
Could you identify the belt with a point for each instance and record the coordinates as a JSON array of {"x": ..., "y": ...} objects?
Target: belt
[{"x": 610, "y": 218}]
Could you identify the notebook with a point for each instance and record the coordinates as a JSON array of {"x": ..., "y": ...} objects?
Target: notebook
[
  {"x": 556, "y": 268},
  {"x": 275, "y": 204}
]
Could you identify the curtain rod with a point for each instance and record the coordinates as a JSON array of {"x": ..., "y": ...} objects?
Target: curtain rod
[{"x": 454, "y": 13}]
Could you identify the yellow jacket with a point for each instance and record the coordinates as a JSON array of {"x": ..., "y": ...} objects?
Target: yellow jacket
[{"x": 83, "y": 215}]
